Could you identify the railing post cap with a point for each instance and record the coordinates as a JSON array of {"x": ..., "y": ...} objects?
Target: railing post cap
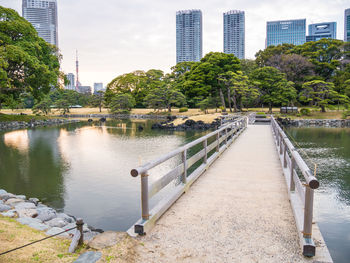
[
  {"x": 80, "y": 221},
  {"x": 134, "y": 173}
]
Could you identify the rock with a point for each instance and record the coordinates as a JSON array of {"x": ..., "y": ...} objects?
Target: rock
[
  {"x": 10, "y": 213},
  {"x": 27, "y": 212},
  {"x": 34, "y": 200},
  {"x": 46, "y": 214},
  {"x": 1, "y": 202},
  {"x": 71, "y": 225},
  {"x": 24, "y": 205},
  {"x": 190, "y": 122},
  {"x": 90, "y": 235},
  {"x": 28, "y": 220},
  {"x": 56, "y": 230},
  {"x": 57, "y": 222},
  {"x": 23, "y": 197},
  {"x": 7, "y": 196},
  {"x": 2, "y": 192},
  {"x": 107, "y": 239},
  {"x": 66, "y": 217},
  {"x": 103, "y": 119},
  {"x": 89, "y": 257},
  {"x": 90, "y": 120},
  {"x": 4, "y": 208},
  {"x": 14, "y": 201},
  {"x": 39, "y": 226}
]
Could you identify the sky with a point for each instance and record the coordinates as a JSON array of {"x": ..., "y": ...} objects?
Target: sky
[{"x": 114, "y": 37}]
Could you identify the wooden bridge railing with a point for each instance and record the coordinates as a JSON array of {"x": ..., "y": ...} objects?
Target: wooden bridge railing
[
  {"x": 301, "y": 194},
  {"x": 222, "y": 137}
]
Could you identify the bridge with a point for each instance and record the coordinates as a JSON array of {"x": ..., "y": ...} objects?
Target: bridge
[{"x": 239, "y": 194}]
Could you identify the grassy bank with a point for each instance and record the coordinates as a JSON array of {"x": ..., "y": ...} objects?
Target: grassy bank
[{"x": 26, "y": 118}]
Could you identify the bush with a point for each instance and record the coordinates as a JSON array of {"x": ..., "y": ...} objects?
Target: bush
[
  {"x": 260, "y": 113},
  {"x": 305, "y": 112},
  {"x": 183, "y": 109},
  {"x": 346, "y": 114}
]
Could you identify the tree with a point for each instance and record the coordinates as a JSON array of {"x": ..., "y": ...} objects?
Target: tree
[
  {"x": 43, "y": 106},
  {"x": 318, "y": 93},
  {"x": 122, "y": 103},
  {"x": 262, "y": 56},
  {"x": 164, "y": 98},
  {"x": 238, "y": 89},
  {"x": 96, "y": 100},
  {"x": 63, "y": 106},
  {"x": 206, "y": 104},
  {"x": 27, "y": 62},
  {"x": 273, "y": 86},
  {"x": 203, "y": 78},
  {"x": 296, "y": 67}
]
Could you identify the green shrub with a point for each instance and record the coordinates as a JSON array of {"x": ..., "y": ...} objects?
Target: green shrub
[
  {"x": 260, "y": 113},
  {"x": 346, "y": 114},
  {"x": 305, "y": 112},
  {"x": 183, "y": 109}
]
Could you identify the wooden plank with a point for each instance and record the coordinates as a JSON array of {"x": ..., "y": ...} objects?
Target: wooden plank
[
  {"x": 212, "y": 146},
  {"x": 165, "y": 180},
  {"x": 195, "y": 158}
]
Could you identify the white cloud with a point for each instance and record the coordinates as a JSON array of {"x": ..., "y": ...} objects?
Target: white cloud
[{"x": 115, "y": 36}]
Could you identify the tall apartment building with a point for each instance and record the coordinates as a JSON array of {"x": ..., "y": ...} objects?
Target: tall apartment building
[
  {"x": 98, "y": 87},
  {"x": 188, "y": 35},
  {"x": 42, "y": 14},
  {"x": 322, "y": 30},
  {"x": 286, "y": 31},
  {"x": 234, "y": 33},
  {"x": 347, "y": 25},
  {"x": 71, "y": 79}
]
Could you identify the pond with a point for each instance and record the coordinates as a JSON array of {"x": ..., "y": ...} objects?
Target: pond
[
  {"x": 329, "y": 148},
  {"x": 84, "y": 169}
]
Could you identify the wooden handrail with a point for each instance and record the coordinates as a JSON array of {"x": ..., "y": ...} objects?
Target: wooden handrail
[
  {"x": 224, "y": 136},
  {"x": 301, "y": 195}
]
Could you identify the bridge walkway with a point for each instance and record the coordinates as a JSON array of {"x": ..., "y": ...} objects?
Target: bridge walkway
[{"x": 238, "y": 211}]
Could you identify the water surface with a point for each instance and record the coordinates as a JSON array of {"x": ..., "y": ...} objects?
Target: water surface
[
  {"x": 84, "y": 169},
  {"x": 329, "y": 148}
]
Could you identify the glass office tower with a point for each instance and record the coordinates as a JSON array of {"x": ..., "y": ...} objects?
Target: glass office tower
[
  {"x": 286, "y": 31},
  {"x": 347, "y": 25},
  {"x": 234, "y": 33},
  {"x": 42, "y": 14},
  {"x": 322, "y": 30},
  {"x": 188, "y": 35}
]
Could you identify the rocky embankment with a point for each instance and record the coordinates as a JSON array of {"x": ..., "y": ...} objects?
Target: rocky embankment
[
  {"x": 33, "y": 123},
  {"x": 314, "y": 123},
  {"x": 33, "y": 213},
  {"x": 187, "y": 125}
]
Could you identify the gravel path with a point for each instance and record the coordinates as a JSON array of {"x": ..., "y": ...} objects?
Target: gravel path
[{"x": 238, "y": 211}]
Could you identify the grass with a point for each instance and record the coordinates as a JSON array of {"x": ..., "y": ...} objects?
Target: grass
[
  {"x": 26, "y": 118},
  {"x": 13, "y": 234}
]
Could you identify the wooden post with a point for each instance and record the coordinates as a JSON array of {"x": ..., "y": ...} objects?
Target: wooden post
[
  {"x": 226, "y": 137},
  {"x": 308, "y": 212},
  {"x": 80, "y": 224},
  {"x": 144, "y": 196},
  {"x": 285, "y": 155},
  {"x": 281, "y": 143},
  {"x": 184, "y": 160},
  {"x": 217, "y": 139},
  {"x": 292, "y": 167},
  {"x": 205, "y": 144}
]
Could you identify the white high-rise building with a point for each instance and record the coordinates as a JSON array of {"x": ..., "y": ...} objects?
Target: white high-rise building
[
  {"x": 98, "y": 87},
  {"x": 234, "y": 33},
  {"x": 71, "y": 78},
  {"x": 188, "y": 35},
  {"x": 42, "y": 14}
]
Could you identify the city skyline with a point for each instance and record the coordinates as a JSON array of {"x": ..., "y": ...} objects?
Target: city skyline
[
  {"x": 234, "y": 33},
  {"x": 119, "y": 37}
]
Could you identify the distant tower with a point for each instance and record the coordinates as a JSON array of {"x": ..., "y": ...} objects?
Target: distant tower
[{"x": 77, "y": 72}]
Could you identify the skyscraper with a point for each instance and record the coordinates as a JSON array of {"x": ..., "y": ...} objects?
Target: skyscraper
[
  {"x": 71, "y": 79},
  {"x": 42, "y": 14},
  {"x": 347, "y": 25},
  {"x": 188, "y": 35},
  {"x": 234, "y": 33},
  {"x": 322, "y": 30},
  {"x": 286, "y": 31},
  {"x": 98, "y": 87}
]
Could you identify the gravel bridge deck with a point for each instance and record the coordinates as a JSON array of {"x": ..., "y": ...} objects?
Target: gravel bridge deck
[{"x": 238, "y": 211}]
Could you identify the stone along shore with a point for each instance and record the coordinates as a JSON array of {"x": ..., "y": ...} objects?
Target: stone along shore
[
  {"x": 33, "y": 213},
  {"x": 33, "y": 123}
]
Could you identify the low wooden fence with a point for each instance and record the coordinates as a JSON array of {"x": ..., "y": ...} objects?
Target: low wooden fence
[
  {"x": 222, "y": 137},
  {"x": 301, "y": 193}
]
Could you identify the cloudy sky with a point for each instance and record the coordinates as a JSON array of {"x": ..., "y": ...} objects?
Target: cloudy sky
[{"x": 117, "y": 36}]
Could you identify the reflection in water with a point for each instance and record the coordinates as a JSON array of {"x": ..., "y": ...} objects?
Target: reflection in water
[
  {"x": 329, "y": 148},
  {"x": 84, "y": 169}
]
